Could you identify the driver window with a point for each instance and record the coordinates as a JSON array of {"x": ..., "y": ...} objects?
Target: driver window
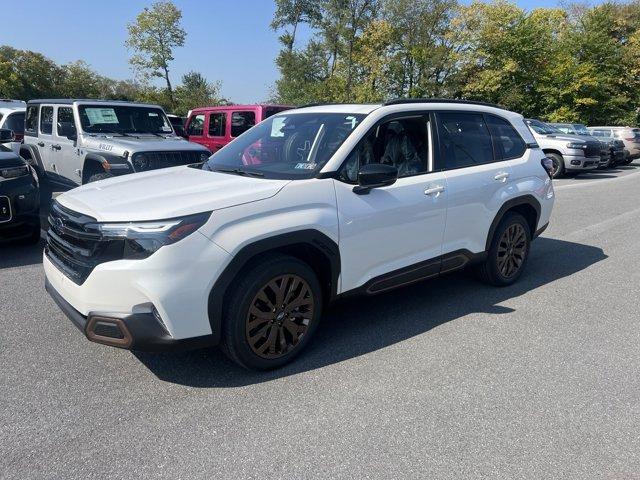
[
  {"x": 65, "y": 124},
  {"x": 402, "y": 143}
]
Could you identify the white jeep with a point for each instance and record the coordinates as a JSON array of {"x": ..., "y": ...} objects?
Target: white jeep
[
  {"x": 74, "y": 142},
  {"x": 308, "y": 206}
]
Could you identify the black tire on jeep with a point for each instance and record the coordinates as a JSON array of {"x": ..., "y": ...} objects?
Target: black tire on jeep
[
  {"x": 99, "y": 176},
  {"x": 508, "y": 252},
  {"x": 558, "y": 164},
  {"x": 271, "y": 312}
]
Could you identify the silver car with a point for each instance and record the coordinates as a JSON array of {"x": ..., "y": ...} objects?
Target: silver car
[{"x": 569, "y": 153}]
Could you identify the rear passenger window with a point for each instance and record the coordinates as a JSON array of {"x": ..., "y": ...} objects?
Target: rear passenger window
[
  {"x": 31, "y": 120},
  {"x": 46, "y": 120},
  {"x": 464, "y": 140},
  {"x": 196, "y": 125},
  {"x": 217, "y": 124},
  {"x": 507, "y": 142},
  {"x": 241, "y": 122}
]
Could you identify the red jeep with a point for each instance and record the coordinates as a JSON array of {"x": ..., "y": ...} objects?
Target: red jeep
[{"x": 214, "y": 127}]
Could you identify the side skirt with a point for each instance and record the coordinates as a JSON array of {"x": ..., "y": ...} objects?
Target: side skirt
[{"x": 417, "y": 272}]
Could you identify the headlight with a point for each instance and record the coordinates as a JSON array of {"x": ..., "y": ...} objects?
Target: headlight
[
  {"x": 144, "y": 238},
  {"x": 141, "y": 162},
  {"x": 14, "y": 172},
  {"x": 576, "y": 145},
  {"x": 204, "y": 156}
]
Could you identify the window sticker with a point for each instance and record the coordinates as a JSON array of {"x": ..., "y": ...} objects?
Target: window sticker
[
  {"x": 101, "y": 115},
  {"x": 306, "y": 166},
  {"x": 165, "y": 128}
]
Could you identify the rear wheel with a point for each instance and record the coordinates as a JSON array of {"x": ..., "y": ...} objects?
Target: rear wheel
[
  {"x": 558, "y": 164},
  {"x": 271, "y": 313},
  {"x": 508, "y": 253}
]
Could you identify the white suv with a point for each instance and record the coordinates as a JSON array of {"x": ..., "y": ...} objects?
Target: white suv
[{"x": 310, "y": 205}]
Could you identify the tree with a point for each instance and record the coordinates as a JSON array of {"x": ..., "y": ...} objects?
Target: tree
[
  {"x": 196, "y": 91},
  {"x": 154, "y": 35},
  {"x": 292, "y": 13}
]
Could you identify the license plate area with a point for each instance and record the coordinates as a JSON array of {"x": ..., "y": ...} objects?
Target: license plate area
[{"x": 5, "y": 209}]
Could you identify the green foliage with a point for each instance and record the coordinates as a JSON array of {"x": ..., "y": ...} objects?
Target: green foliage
[
  {"x": 577, "y": 63},
  {"x": 153, "y": 36}
]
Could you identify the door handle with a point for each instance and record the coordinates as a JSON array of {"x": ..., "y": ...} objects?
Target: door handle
[
  {"x": 501, "y": 177},
  {"x": 41, "y": 144},
  {"x": 437, "y": 189},
  {"x": 56, "y": 147}
]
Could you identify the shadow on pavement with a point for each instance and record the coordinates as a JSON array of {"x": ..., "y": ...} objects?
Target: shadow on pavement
[{"x": 356, "y": 327}]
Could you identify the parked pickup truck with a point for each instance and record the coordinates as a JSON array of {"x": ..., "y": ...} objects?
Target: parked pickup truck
[
  {"x": 74, "y": 142},
  {"x": 612, "y": 151},
  {"x": 214, "y": 127},
  {"x": 569, "y": 153}
]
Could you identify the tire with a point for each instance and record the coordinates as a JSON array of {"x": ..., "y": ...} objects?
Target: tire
[
  {"x": 99, "y": 176},
  {"x": 558, "y": 164},
  {"x": 492, "y": 270},
  {"x": 271, "y": 339}
]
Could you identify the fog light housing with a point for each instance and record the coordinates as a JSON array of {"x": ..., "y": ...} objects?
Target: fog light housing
[
  {"x": 575, "y": 162},
  {"x": 108, "y": 331}
]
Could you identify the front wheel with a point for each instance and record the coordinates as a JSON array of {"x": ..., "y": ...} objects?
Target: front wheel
[
  {"x": 508, "y": 253},
  {"x": 271, "y": 313}
]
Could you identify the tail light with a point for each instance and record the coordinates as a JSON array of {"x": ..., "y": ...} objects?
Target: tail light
[{"x": 547, "y": 164}]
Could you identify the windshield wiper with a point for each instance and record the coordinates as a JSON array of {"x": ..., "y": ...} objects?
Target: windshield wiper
[
  {"x": 237, "y": 171},
  {"x": 150, "y": 133}
]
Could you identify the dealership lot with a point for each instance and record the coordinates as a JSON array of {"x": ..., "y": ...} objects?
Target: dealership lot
[{"x": 444, "y": 379}]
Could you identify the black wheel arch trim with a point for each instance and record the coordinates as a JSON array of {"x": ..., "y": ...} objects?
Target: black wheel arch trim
[
  {"x": 310, "y": 237},
  {"x": 529, "y": 200},
  {"x": 122, "y": 165},
  {"x": 34, "y": 153}
]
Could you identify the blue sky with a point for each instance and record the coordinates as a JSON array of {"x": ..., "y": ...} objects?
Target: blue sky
[{"x": 227, "y": 40}]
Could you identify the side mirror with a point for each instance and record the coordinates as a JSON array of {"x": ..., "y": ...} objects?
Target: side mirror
[
  {"x": 375, "y": 175},
  {"x": 6, "y": 135}
]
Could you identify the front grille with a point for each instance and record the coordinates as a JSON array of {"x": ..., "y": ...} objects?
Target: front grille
[
  {"x": 144, "y": 161},
  {"x": 74, "y": 247},
  {"x": 592, "y": 150}
]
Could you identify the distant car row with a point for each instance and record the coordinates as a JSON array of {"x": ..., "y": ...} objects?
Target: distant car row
[{"x": 575, "y": 148}]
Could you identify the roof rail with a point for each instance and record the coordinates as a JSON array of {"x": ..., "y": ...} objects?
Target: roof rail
[
  {"x": 400, "y": 101},
  {"x": 316, "y": 104}
]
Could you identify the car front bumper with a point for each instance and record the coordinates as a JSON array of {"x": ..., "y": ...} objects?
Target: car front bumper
[
  {"x": 23, "y": 197},
  {"x": 161, "y": 301},
  {"x": 580, "y": 163}
]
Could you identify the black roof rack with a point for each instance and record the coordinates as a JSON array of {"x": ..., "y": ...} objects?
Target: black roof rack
[
  {"x": 400, "y": 101},
  {"x": 71, "y": 100},
  {"x": 316, "y": 104}
]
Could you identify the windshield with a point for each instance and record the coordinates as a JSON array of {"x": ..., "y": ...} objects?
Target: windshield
[
  {"x": 286, "y": 146},
  {"x": 123, "y": 119},
  {"x": 581, "y": 129},
  {"x": 542, "y": 128}
]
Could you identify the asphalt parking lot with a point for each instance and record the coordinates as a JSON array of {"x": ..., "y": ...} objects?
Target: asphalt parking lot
[{"x": 444, "y": 379}]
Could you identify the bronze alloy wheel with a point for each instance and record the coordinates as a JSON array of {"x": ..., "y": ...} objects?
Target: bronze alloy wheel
[
  {"x": 279, "y": 316},
  {"x": 512, "y": 249}
]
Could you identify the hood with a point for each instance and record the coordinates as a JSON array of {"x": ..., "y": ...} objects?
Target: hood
[
  {"x": 117, "y": 145},
  {"x": 166, "y": 193}
]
